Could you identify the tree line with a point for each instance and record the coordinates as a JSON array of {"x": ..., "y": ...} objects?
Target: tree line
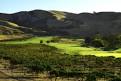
[{"x": 111, "y": 42}]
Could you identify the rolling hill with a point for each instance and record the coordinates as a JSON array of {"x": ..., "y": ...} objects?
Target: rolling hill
[
  {"x": 9, "y": 31},
  {"x": 40, "y": 22}
]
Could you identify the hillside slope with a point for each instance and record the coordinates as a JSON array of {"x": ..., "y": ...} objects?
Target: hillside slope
[
  {"x": 64, "y": 23},
  {"x": 10, "y": 31}
]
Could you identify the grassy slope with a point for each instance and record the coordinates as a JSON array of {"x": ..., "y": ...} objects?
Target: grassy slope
[
  {"x": 76, "y": 49},
  {"x": 11, "y": 37},
  {"x": 71, "y": 48},
  {"x": 8, "y": 28},
  {"x": 58, "y": 14},
  {"x": 10, "y": 31},
  {"x": 7, "y": 23},
  {"x": 31, "y": 40}
]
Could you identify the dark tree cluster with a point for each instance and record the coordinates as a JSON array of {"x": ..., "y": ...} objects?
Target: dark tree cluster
[{"x": 107, "y": 43}]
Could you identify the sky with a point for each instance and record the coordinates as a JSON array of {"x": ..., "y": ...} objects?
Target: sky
[{"x": 75, "y": 6}]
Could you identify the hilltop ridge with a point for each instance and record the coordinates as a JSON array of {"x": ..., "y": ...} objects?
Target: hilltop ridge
[{"x": 64, "y": 23}]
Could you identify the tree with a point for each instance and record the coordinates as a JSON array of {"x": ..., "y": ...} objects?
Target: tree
[
  {"x": 41, "y": 41},
  {"x": 97, "y": 43},
  {"x": 47, "y": 41},
  {"x": 112, "y": 42},
  {"x": 87, "y": 40}
]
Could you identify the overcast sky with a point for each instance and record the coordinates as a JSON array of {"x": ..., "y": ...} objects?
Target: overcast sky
[{"x": 75, "y": 6}]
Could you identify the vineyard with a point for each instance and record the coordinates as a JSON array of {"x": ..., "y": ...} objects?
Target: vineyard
[{"x": 41, "y": 58}]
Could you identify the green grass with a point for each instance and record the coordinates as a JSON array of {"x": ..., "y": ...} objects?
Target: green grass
[
  {"x": 76, "y": 49},
  {"x": 35, "y": 40},
  {"x": 70, "y": 48},
  {"x": 12, "y": 37}
]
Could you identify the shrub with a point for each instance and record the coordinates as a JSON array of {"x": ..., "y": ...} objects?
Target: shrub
[
  {"x": 47, "y": 41},
  {"x": 41, "y": 41},
  {"x": 97, "y": 43},
  {"x": 55, "y": 39}
]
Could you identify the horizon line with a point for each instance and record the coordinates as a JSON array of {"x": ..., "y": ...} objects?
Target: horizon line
[{"x": 59, "y": 11}]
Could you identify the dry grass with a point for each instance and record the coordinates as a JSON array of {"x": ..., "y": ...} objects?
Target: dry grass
[
  {"x": 58, "y": 14},
  {"x": 11, "y": 37}
]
